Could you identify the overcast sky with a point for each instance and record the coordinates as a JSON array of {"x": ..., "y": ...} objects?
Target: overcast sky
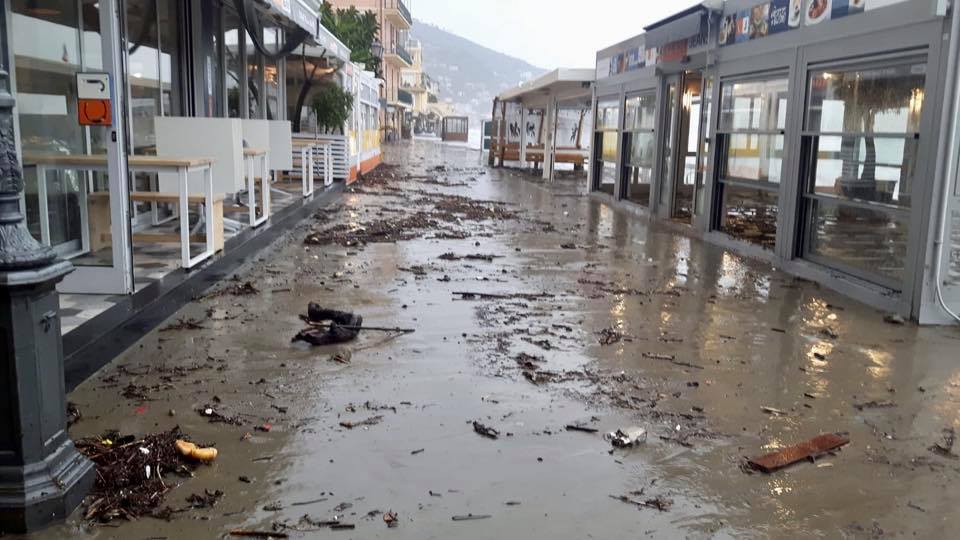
[{"x": 546, "y": 33}]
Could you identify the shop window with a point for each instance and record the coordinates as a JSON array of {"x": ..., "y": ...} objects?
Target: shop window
[
  {"x": 254, "y": 78},
  {"x": 272, "y": 38},
  {"x": 860, "y": 148},
  {"x": 233, "y": 62},
  {"x": 639, "y": 142},
  {"x": 605, "y": 148},
  {"x": 153, "y": 67},
  {"x": 50, "y": 44},
  {"x": 750, "y": 139}
]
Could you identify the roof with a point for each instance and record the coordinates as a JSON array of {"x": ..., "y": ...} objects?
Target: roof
[{"x": 557, "y": 80}]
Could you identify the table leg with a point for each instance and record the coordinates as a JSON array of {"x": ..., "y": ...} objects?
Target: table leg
[
  {"x": 266, "y": 187},
  {"x": 184, "y": 219},
  {"x": 208, "y": 208},
  {"x": 251, "y": 190}
]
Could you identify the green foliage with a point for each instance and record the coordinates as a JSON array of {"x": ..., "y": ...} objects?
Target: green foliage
[
  {"x": 357, "y": 30},
  {"x": 332, "y": 105}
]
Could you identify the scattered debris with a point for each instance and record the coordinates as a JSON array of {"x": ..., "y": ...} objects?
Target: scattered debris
[
  {"x": 874, "y": 404},
  {"x": 344, "y": 326},
  {"x": 471, "y": 257},
  {"x": 774, "y": 412},
  {"x": 390, "y": 518},
  {"x": 506, "y": 296},
  {"x": 372, "y": 421},
  {"x": 895, "y": 319},
  {"x": 670, "y": 358},
  {"x": 184, "y": 324},
  {"x": 580, "y": 427},
  {"x": 810, "y": 449},
  {"x": 73, "y": 414},
  {"x": 609, "y": 336},
  {"x": 194, "y": 452},
  {"x": 246, "y": 288},
  {"x": 485, "y": 431},
  {"x": 208, "y": 499},
  {"x": 258, "y": 534},
  {"x": 945, "y": 447},
  {"x": 470, "y": 517},
  {"x": 625, "y": 437},
  {"x": 129, "y": 480}
]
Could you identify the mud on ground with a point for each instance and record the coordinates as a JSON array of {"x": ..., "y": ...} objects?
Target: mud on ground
[{"x": 547, "y": 319}]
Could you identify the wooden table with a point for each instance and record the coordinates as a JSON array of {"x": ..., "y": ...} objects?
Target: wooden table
[
  {"x": 182, "y": 167},
  {"x": 251, "y": 158}
]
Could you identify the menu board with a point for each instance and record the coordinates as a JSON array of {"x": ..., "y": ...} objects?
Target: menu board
[{"x": 778, "y": 16}]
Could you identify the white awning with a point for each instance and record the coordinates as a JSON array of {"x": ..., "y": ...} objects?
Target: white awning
[{"x": 562, "y": 83}]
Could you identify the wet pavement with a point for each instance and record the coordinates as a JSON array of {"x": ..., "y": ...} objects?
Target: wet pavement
[{"x": 599, "y": 318}]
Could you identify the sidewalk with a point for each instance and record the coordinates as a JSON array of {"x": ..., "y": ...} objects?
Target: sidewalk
[{"x": 599, "y": 318}]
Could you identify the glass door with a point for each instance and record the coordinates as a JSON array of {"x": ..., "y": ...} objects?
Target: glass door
[
  {"x": 71, "y": 207},
  {"x": 669, "y": 141},
  {"x": 687, "y": 174}
]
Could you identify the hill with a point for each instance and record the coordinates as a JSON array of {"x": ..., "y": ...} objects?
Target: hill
[{"x": 469, "y": 74}]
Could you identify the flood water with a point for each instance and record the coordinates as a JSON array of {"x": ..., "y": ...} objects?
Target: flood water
[{"x": 699, "y": 342}]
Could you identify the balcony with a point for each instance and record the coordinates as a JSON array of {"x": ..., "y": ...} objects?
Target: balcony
[
  {"x": 398, "y": 56},
  {"x": 398, "y": 14},
  {"x": 405, "y": 97}
]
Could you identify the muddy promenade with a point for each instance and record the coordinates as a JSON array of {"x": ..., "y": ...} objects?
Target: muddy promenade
[{"x": 543, "y": 320}]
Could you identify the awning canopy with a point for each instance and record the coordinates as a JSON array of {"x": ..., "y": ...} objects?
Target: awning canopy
[
  {"x": 560, "y": 83},
  {"x": 682, "y": 25},
  {"x": 301, "y": 14}
]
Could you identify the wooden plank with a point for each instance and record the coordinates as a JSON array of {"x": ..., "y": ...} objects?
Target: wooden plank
[
  {"x": 100, "y": 160},
  {"x": 161, "y": 197},
  {"x": 785, "y": 457}
]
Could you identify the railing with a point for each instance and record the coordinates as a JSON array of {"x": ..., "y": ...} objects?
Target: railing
[
  {"x": 404, "y": 97},
  {"x": 404, "y": 11},
  {"x": 402, "y": 53}
]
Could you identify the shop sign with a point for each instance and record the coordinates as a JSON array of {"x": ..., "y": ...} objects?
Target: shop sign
[
  {"x": 778, "y": 16},
  {"x": 93, "y": 99},
  {"x": 674, "y": 52}
]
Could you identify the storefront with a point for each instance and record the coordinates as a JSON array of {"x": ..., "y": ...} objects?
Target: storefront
[
  {"x": 541, "y": 123},
  {"x": 798, "y": 132},
  {"x": 152, "y": 59}
]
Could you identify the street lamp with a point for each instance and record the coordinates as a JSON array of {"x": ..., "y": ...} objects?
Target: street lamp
[
  {"x": 42, "y": 476},
  {"x": 376, "y": 49}
]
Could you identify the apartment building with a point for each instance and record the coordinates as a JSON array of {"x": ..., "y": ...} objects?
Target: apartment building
[
  {"x": 419, "y": 89},
  {"x": 395, "y": 23}
]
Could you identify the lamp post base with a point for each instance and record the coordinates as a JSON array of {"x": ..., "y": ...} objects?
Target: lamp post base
[
  {"x": 42, "y": 475},
  {"x": 44, "y": 493}
]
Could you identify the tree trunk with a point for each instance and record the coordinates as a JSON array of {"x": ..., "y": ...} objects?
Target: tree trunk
[{"x": 304, "y": 89}]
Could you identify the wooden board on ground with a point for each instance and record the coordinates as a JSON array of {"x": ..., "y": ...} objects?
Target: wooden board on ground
[{"x": 816, "y": 446}]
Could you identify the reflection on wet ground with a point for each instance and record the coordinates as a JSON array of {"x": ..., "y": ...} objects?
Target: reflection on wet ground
[{"x": 598, "y": 319}]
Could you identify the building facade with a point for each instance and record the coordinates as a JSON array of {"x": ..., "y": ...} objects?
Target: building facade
[
  {"x": 807, "y": 134},
  {"x": 97, "y": 81},
  {"x": 427, "y": 111},
  {"x": 395, "y": 22}
]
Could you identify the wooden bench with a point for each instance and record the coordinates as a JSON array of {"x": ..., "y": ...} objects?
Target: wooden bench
[{"x": 99, "y": 216}]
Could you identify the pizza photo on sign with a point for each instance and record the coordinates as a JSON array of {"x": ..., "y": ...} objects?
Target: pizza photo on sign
[
  {"x": 796, "y": 13},
  {"x": 818, "y": 11}
]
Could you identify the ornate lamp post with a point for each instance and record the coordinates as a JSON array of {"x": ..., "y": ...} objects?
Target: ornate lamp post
[{"x": 42, "y": 476}]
